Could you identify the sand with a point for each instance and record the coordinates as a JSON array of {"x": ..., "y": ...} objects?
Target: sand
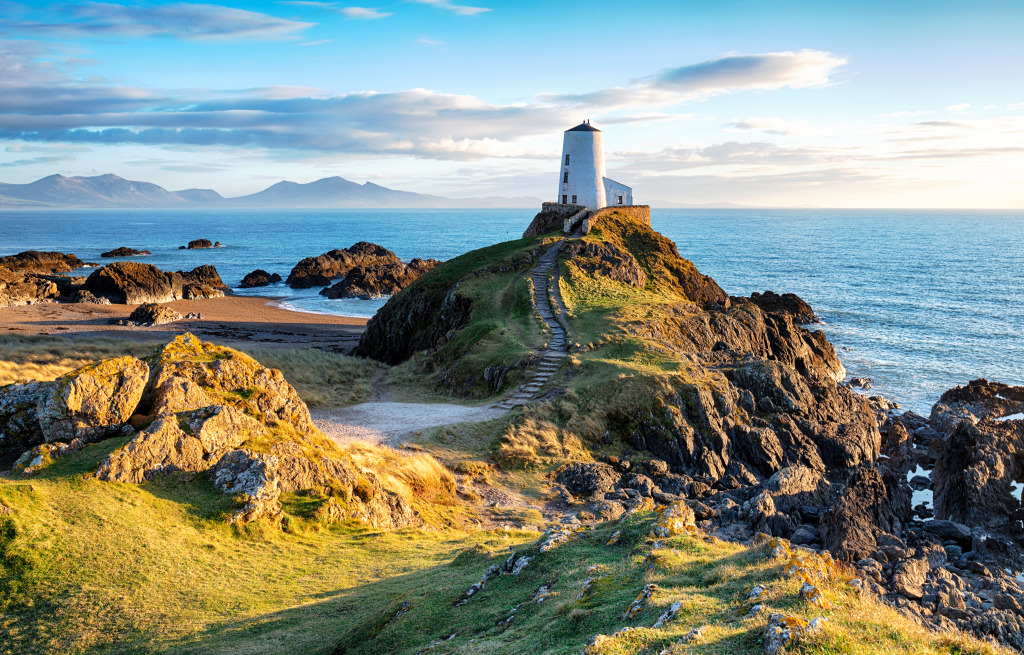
[{"x": 232, "y": 320}]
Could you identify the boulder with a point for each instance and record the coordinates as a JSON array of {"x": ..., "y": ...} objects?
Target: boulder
[
  {"x": 19, "y": 418},
  {"x": 320, "y": 270},
  {"x": 186, "y": 441},
  {"x": 125, "y": 252},
  {"x": 259, "y": 278},
  {"x": 150, "y": 314},
  {"x": 379, "y": 280},
  {"x": 189, "y": 374},
  {"x": 17, "y": 288},
  {"x": 134, "y": 283},
  {"x": 587, "y": 479},
  {"x": 34, "y": 261},
  {"x": 788, "y": 304},
  {"x": 551, "y": 218},
  {"x": 93, "y": 402}
]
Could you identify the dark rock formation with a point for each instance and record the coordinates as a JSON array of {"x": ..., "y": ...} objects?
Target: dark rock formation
[
  {"x": 319, "y": 271},
  {"x": 19, "y": 419},
  {"x": 23, "y": 289},
  {"x": 134, "y": 283},
  {"x": 869, "y": 506},
  {"x": 34, "y": 261},
  {"x": 376, "y": 281},
  {"x": 788, "y": 303},
  {"x": 199, "y": 244},
  {"x": 259, "y": 278},
  {"x": 125, "y": 252}
]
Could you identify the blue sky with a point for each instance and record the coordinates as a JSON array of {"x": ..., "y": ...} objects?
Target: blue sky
[{"x": 878, "y": 104}]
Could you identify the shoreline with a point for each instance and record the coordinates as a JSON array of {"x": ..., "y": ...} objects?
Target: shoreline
[{"x": 229, "y": 320}]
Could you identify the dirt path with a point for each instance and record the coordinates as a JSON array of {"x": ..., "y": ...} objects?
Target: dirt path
[{"x": 388, "y": 423}]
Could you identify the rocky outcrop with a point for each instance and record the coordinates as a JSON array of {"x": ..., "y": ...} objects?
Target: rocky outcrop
[
  {"x": 199, "y": 244},
  {"x": 551, "y": 218},
  {"x": 34, "y": 261},
  {"x": 19, "y": 417},
  {"x": 259, "y": 278},
  {"x": 788, "y": 304},
  {"x": 379, "y": 280},
  {"x": 870, "y": 505},
  {"x": 93, "y": 402},
  {"x": 125, "y": 252},
  {"x": 319, "y": 271},
  {"x": 187, "y": 441},
  {"x": 132, "y": 283},
  {"x": 606, "y": 260},
  {"x": 24, "y": 289},
  {"x": 189, "y": 374}
]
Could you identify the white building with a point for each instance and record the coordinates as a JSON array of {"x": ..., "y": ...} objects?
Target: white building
[{"x": 582, "y": 178}]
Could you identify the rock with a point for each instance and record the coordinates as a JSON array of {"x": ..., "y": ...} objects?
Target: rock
[
  {"x": 187, "y": 441},
  {"x": 34, "y": 261},
  {"x": 17, "y": 288},
  {"x": 949, "y": 531},
  {"x": 378, "y": 280},
  {"x": 587, "y": 479},
  {"x": 133, "y": 283},
  {"x": 551, "y": 219},
  {"x": 869, "y": 505},
  {"x": 197, "y": 244},
  {"x": 908, "y": 578},
  {"x": 93, "y": 402},
  {"x": 861, "y": 383},
  {"x": 606, "y": 260},
  {"x": 788, "y": 304},
  {"x": 150, "y": 314},
  {"x": 676, "y": 519},
  {"x": 83, "y": 296},
  {"x": 782, "y": 631},
  {"x": 320, "y": 270},
  {"x": 259, "y": 278},
  {"x": 125, "y": 252},
  {"x": 189, "y": 374},
  {"x": 19, "y": 420}
]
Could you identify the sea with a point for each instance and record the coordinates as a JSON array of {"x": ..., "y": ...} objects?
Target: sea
[{"x": 917, "y": 300}]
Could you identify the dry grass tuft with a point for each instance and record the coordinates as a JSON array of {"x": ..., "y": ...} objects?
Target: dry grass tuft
[
  {"x": 531, "y": 442},
  {"x": 415, "y": 476},
  {"x": 323, "y": 379},
  {"x": 47, "y": 358}
]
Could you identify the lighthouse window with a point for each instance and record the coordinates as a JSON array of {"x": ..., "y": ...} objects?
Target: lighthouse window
[
  {"x": 620, "y": 200},
  {"x": 565, "y": 176},
  {"x": 574, "y": 200},
  {"x": 567, "y": 160},
  {"x": 565, "y": 200}
]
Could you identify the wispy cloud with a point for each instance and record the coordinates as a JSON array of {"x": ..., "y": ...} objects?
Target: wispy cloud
[
  {"x": 461, "y": 10},
  {"x": 364, "y": 13},
  {"x": 424, "y": 40},
  {"x": 180, "y": 20},
  {"x": 728, "y": 74}
]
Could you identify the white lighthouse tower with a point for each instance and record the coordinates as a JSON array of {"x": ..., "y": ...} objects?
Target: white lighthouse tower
[{"x": 582, "y": 178}]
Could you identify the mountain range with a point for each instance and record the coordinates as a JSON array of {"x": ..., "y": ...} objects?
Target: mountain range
[{"x": 112, "y": 191}]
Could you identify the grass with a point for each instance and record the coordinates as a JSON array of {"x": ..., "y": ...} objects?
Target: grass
[{"x": 322, "y": 379}]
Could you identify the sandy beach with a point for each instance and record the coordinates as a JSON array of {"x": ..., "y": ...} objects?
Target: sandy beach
[{"x": 229, "y": 320}]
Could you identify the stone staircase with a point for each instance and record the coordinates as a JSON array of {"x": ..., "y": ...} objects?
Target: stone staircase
[{"x": 544, "y": 301}]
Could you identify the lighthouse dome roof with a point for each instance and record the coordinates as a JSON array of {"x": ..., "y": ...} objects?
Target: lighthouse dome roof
[{"x": 583, "y": 127}]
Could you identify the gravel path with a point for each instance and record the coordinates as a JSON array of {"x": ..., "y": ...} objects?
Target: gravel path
[{"x": 388, "y": 422}]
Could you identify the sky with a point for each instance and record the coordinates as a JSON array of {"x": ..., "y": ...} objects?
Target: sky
[{"x": 788, "y": 104}]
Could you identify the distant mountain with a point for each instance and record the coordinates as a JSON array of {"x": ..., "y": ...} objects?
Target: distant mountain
[{"x": 332, "y": 192}]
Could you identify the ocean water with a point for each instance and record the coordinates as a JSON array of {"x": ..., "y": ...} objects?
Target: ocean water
[{"x": 919, "y": 301}]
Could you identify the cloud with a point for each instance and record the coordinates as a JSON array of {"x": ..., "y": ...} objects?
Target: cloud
[
  {"x": 461, "y": 10},
  {"x": 424, "y": 40},
  {"x": 179, "y": 20},
  {"x": 42, "y": 160},
  {"x": 728, "y": 74},
  {"x": 782, "y": 127},
  {"x": 363, "y": 13}
]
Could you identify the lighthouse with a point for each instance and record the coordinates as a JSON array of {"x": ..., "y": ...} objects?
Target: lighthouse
[{"x": 582, "y": 179}]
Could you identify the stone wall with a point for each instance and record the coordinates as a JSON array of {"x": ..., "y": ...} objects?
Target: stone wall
[
  {"x": 551, "y": 218},
  {"x": 640, "y": 213}
]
